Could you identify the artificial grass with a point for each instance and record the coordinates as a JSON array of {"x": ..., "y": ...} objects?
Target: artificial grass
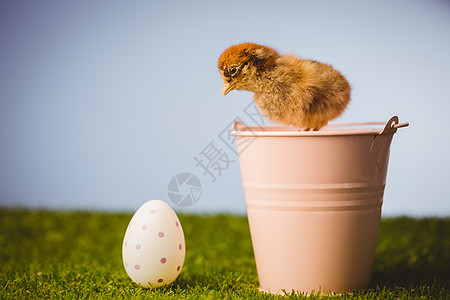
[{"x": 77, "y": 255}]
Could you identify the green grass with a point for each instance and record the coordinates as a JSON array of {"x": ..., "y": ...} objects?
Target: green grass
[{"x": 78, "y": 255}]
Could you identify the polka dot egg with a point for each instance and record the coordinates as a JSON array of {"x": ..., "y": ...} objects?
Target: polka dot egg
[{"x": 153, "y": 247}]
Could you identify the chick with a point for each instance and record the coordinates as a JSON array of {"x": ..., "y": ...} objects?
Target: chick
[{"x": 287, "y": 89}]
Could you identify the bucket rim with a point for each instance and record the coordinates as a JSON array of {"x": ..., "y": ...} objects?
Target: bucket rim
[{"x": 338, "y": 129}]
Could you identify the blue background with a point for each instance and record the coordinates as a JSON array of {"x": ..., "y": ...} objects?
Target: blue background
[{"x": 103, "y": 102}]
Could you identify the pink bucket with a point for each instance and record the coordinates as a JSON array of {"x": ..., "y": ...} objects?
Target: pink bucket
[{"x": 314, "y": 203}]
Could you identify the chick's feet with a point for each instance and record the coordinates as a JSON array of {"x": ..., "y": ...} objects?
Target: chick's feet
[{"x": 307, "y": 129}]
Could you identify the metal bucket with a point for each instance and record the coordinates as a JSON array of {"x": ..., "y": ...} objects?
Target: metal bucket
[{"x": 314, "y": 203}]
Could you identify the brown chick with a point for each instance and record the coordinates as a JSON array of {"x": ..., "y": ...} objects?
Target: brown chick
[{"x": 287, "y": 89}]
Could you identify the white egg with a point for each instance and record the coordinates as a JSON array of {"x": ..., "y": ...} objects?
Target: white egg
[{"x": 153, "y": 248}]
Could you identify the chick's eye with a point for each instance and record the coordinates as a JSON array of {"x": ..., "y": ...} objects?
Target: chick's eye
[{"x": 232, "y": 71}]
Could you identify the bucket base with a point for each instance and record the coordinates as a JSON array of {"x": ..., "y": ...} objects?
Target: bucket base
[{"x": 285, "y": 293}]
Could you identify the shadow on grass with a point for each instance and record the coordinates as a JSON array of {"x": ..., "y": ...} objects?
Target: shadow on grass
[
  {"x": 408, "y": 278},
  {"x": 210, "y": 284}
]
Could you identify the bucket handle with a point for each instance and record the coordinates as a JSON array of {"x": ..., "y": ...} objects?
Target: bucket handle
[
  {"x": 392, "y": 125},
  {"x": 238, "y": 126},
  {"x": 382, "y": 142}
]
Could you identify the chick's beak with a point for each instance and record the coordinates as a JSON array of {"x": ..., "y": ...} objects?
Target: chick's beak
[{"x": 227, "y": 87}]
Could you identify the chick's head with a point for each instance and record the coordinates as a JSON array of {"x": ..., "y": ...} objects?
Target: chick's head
[{"x": 242, "y": 65}]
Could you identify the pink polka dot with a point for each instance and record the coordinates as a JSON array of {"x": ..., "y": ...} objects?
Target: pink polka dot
[
  {"x": 160, "y": 280},
  {"x": 137, "y": 267},
  {"x": 176, "y": 223},
  {"x": 152, "y": 211},
  {"x": 144, "y": 227},
  {"x": 138, "y": 246},
  {"x": 163, "y": 260},
  {"x": 126, "y": 243},
  {"x": 180, "y": 246},
  {"x": 161, "y": 234},
  {"x": 126, "y": 265},
  {"x": 179, "y": 267}
]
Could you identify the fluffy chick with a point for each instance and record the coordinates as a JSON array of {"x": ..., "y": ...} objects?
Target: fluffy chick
[{"x": 287, "y": 89}]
